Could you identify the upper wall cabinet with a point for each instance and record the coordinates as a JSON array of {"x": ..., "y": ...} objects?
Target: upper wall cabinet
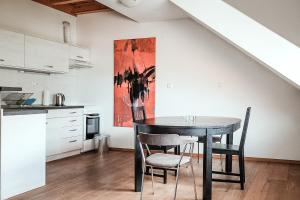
[
  {"x": 46, "y": 56},
  {"x": 79, "y": 54},
  {"x": 11, "y": 49},
  {"x": 79, "y": 58}
]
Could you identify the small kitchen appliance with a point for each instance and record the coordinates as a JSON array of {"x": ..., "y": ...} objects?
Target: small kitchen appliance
[
  {"x": 92, "y": 125},
  {"x": 59, "y": 99},
  {"x": 91, "y": 128}
]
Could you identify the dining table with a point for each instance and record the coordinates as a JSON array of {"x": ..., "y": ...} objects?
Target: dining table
[{"x": 198, "y": 126}]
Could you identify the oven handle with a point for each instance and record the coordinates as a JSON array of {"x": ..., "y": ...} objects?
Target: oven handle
[{"x": 92, "y": 117}]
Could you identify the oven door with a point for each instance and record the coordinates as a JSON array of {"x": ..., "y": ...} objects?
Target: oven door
[{"x": 92, "y": 126}]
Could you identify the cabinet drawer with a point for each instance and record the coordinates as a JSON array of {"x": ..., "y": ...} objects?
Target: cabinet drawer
[
  {"x": 65, "y": 122},
  {"x": 73, "y": 131},
  {"x": 64, "y": 113},
  {"x": 71, "y": 144},
  {"x": 71, "y": 121}
]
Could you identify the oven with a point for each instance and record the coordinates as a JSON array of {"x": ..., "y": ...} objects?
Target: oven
[{"x": 92, "y": 125}]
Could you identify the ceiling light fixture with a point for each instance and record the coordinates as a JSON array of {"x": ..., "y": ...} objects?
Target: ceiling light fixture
[{"x": 130, "y": 3}]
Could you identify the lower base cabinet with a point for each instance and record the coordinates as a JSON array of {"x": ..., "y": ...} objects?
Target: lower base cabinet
[
  {"x": 64, "y": 133},
  {"x": 23, "y": 162}
]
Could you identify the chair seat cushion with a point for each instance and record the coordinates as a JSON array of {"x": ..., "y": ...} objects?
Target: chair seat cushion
[{"x": 166, "y": 160}]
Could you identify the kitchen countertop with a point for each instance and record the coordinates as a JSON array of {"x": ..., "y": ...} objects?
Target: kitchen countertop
[
  {"x": 41, "y": 107},
  {"x": 10, "y": 89},
  {"x": 34, "y": 109},
  {"x": 9, "y": 112}
]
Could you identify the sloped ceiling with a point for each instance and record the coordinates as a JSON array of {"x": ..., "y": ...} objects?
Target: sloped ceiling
[
  {"x": 282, "y": 17},
  {"x": 260, "y": 43}
]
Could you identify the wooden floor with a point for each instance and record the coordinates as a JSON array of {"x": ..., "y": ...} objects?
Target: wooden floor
[{"x": 91, "y": 177}]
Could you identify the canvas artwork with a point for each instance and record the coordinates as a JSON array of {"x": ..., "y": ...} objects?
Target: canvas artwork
[{"x": 134, "y": 78}]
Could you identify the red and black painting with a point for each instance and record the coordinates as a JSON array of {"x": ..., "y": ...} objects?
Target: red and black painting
[{"x": 134, "y": 78}]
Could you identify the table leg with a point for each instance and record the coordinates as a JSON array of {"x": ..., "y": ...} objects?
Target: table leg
[
  {"x": 137, "y": 163},
  {"x": 228, "y": 164},
  {"x": 207, "y": 167}
]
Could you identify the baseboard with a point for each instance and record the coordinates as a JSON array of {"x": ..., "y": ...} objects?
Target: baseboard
[
  {"x": 120, "y": 149},
  {"x": 272, "y": 160},
  {"x": 63, "y": 155}
]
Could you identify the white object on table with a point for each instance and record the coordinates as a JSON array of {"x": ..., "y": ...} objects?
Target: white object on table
[{"x": 46, "y": 98}]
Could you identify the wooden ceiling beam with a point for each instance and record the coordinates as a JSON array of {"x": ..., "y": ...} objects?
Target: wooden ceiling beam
[
  {"x": 92, "y": 11},
  {"x": 86, "y": 8},
  {"x": 75, "y": 7},
  {"x": 64, "y": 2}
]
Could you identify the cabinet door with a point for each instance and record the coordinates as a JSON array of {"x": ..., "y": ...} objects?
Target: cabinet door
[
  {"x": 80, "y": 54},
  {"x": 11, "y": 49},
  {"x": 22, "y": 153},
  {"x": 46, "y": 56},
  {"x": 53, "y": 137}
]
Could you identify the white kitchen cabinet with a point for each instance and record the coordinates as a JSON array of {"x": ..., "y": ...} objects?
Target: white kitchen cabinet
[
  {"x": 61, "y": 113},
  {"x": 46, "y": 56},
  {"x": 52, "y": 137},
  {"x": 71, "y": 143},
  {"x": 23, "y": 162},
  {"x": 64, "y": 135},
  {"x": 11, "y": 49},
  {"x": 79, "y": 54}
]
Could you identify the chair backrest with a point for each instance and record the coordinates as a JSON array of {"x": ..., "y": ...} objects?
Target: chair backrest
[
  {"x": 138, "y": 113},
  {"x": 245, "y": 128},
  {"x": 160, "y": 139}
]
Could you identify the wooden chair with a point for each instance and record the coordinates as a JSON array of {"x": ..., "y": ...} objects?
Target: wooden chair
[
  {"x": 163, "y": 160},
  {"x": 234, "y": 150},
  {"x": 139, "y": 113},
  {"x": 215, "y": 139}
]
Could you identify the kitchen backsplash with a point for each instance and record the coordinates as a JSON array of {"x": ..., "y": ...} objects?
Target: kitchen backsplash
[{"x": 36, "y": 83}]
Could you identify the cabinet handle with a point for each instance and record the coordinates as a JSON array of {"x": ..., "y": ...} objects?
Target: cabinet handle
[
  {"x": 2, "y": 60},
  {"x": 73, "y": 130},
  {"x": 73, "y": 112},
  {"x": 72, "y": 141},
  {"x": 49, "y": 66},
  {"x": 73, "y": 120},
  {"x": 79, "y": 56}
]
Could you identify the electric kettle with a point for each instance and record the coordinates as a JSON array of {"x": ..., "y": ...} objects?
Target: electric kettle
[{"x": 59, "y": 99}]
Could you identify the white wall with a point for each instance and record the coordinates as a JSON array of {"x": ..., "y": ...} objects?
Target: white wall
[
  {"x": 280, "y": 16},
  {"x": 210, "y": 77},
  {"x": 31, "y": 18},
  {"x": 206, "y": 72}
]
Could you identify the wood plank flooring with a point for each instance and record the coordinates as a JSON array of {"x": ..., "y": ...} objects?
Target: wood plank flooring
[{"x": 110, "y": 177}]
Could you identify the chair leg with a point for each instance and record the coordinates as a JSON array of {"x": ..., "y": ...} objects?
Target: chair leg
[
  {"x": 152, "y": 180},
  {"x": 241, "y": 171},
  {"x": 244, "y": 176},
  {"x": 198, "y": 152},
  {"x": 193, "y": 174},
  {"x": 147, "y": 168},
  {"x": 176, "y": 152},
  {"x": 165, "y": 176},
  {"x": 142, "y": 187},
  {"x": 177, "y": 177},
  {"x": 165, "y": 171}
]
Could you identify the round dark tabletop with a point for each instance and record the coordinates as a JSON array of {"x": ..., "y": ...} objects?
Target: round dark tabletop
[{"x": 186, "y": 122}]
